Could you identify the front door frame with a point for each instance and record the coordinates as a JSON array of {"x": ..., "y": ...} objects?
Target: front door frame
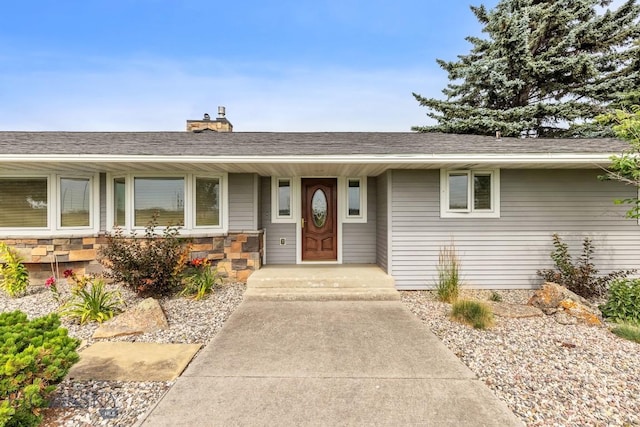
[{"x": 339, "y": 216}]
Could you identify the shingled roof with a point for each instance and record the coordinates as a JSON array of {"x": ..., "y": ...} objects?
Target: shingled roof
[{"x": 292, "y": 144}]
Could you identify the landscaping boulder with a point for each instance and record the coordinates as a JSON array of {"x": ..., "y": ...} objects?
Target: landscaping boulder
[
  {"x": 566, "y": 306},
  {"x": 147, "y": 316},
  {"x": 514, "y": 311}
]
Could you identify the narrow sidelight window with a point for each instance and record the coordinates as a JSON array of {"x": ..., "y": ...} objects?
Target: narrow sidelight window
[
  {"x": 284, "y": 197},
  {"x": 354, "y": 197},
  {"x": 119, "y": 202}
]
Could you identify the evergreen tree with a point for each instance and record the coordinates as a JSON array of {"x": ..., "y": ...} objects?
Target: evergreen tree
[
  {"x": 626, "y": 166},
  {"x": 547, "y": 65}
]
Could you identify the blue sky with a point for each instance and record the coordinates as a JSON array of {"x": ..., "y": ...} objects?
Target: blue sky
[{"x": 136, "y": 65}]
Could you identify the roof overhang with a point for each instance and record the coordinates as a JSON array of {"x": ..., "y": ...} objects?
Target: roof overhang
[{"x": 285, "y": 165}]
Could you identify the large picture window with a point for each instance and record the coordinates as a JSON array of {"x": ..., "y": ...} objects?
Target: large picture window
[
  {"x": 470, "y": 193},
  {"x": 24, "y": 202},
  {"x": 48, "y": 205},
  {"x": 164, "y": 196}
]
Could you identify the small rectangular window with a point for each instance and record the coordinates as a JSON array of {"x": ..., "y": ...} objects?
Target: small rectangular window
[
  {"x": 284, "y": 197},
  {"x": 354, "y": 197},
  {"x": 207, "y": 202},
  {"x": 23, "y": 202},
  {"x": 470, "y": 193},
  {"x": 75, "y": 202},
  {"x": 162, "y": 195},
  {"x": 119, "y": 202}
]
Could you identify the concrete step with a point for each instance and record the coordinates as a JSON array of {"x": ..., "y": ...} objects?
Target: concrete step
[
  {"x": 321, "y": 294},
  {"x": 307, "y": 276}
]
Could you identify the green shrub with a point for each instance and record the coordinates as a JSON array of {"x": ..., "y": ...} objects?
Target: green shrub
[
  {"x": 473, "y": 313},
  {"x": 150, "y": 265},
  {"x": 14, "y": 275},
  {"x": 92, "y": 302},
  {"x": 495, "y": 297},
  {"x": 623, "y": 303},
  {"x": 627, "y": 331},
  {"x": 582, "y": 277},
  {"x": 448, "y": 285},
  {"x": 199, "y": 278},
  {"x": 34, "y": 356}
]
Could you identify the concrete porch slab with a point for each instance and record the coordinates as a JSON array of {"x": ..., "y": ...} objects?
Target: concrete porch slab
[
  {"x": 350, "y": 282},
  {"x": 133, "y": 361}
]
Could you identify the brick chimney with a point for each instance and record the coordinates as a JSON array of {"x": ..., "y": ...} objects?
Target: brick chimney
[{"x": 220, "y": 124}]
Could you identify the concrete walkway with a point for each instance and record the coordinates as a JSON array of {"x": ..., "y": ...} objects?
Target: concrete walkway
[{"x": 331, "y": 363}]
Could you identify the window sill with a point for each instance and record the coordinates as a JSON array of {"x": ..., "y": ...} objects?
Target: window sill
[{"x": 470, "y": 215}]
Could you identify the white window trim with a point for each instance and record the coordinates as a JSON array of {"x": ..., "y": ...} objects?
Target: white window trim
[
  {"x": 343, "y": 183},
  {"x": 494, "y": 212},
  {"x": 54, "y": 227},
  {"x": 294, "y": 183},
  {"x": 188, "y": 228}
]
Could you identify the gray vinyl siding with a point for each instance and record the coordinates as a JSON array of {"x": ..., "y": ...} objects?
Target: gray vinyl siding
[
  {"x": 242, "y": 202},
  {"x": 259, "y": 200},
  {"x": 359, "y": 239},
  {"x": 382, "y": 206},
  {"x": 506, "y": 252},
  {"x": 275, "y": 252}
]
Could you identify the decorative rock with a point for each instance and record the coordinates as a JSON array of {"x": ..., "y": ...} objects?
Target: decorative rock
[
  {"x": 514, "y": 311},
  {"x": 147, "y": 316},
  {"x": 565, "y": 305},
  {"x": 565, "y": 318}
]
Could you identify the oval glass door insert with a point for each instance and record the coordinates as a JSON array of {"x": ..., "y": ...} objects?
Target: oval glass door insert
[{"x": 319, "y": 208}]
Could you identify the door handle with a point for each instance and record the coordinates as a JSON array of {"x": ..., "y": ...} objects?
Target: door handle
[{"x": 302, "y": 222}]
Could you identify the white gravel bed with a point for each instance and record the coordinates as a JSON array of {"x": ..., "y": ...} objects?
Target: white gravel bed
[
  {"x": 118, "y": 403},
  {"x": 548, "y": 374}
]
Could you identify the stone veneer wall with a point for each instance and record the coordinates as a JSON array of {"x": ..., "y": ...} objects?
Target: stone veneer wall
[{"x": 236, "y": 255}]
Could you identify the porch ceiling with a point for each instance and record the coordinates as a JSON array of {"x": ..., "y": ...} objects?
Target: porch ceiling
[{"x": 293, "y": 166}]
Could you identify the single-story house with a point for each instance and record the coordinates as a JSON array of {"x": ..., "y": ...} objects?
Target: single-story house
[{"x": 249, "y": 199}]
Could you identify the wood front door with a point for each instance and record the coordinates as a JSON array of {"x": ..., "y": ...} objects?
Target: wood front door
[{"x": 319, "y": 219}]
